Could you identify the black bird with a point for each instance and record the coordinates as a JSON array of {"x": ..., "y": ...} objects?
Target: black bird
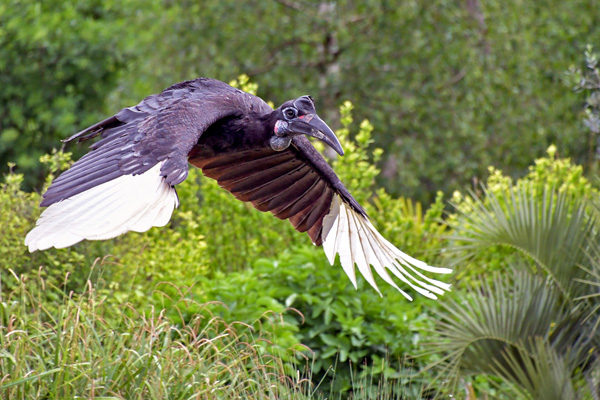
[{"x": 127, "y": 181}]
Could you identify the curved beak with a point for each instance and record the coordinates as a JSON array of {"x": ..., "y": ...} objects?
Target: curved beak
[{"x": 312, "y": 125}]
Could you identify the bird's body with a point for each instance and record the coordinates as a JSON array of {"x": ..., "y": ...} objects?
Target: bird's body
[{"x": 127, "y": 182}]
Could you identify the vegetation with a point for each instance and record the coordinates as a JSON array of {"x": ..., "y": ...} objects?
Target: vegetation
[
  {"x": 86, "y": 349},
  {"x": 530, "y": 325},
  {"x": 228, "y": 302},
  {"x": 300, "y": 313}
]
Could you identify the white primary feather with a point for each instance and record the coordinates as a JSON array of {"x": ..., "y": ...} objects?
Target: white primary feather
[
  {"x": 127, "y": 203},
  {"x": 356, "y": 240}
]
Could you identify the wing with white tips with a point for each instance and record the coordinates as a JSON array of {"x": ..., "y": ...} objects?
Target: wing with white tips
[
  {"x": 352, "y": 236},
  {"x": 126, "y": 182},
  {"x": 127, "y": 203}
]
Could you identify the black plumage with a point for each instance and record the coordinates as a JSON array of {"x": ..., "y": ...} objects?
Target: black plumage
[{"x": 259, "y": 154}]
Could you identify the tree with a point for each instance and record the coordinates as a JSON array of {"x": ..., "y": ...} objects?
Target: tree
[{"x": 59, "y": 60}]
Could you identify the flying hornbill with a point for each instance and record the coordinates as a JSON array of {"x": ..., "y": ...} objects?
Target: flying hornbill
[{"x": 127, "y": 181}]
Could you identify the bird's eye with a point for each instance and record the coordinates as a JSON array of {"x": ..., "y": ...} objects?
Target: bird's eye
[{"x": 290, "y": 113}]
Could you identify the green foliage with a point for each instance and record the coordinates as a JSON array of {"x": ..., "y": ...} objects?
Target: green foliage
[
  {"x": 473, "y": 85},
  {"x": 235, "y": 233},
  {"x": 325, "y": 313},
  {"x": 553, "y": 231},
  {"x": 18, "y": 211},
  {"x": 587, "y": 81},
  {"x": 243, "y": 83},
  {"x": 59, "y": 60},
  {"x": 547, "y": 173},
  {"x": 88, "y": 349},
  {"x": 592, "y": 280},
  {"x": 498, "y": 329},
  {"x": 542, "y": 373},
  {"x": 452, "y": 87},
  {"x": 488, "y": 227}
]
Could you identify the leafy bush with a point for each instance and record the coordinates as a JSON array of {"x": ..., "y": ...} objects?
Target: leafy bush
[
  {"x": 338, "y": 323},
  {"x": 18, "y": 211}
]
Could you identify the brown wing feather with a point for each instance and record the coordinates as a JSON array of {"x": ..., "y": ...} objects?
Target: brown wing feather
[
  {"x": 279, "y": 182},
  {"x": 278, "y": 175},
  {"x": 243, "y": 169},
  {"x": 273, "y": 190}
]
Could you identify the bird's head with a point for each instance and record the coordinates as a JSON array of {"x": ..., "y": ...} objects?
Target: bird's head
[{"x": 299, "y": 117}]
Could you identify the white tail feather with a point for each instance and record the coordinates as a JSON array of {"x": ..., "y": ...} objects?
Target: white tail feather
[
  {"x": 127, "y": 203},
  {"x": 343, "y": 246},
  {"x": 356, "y": 240},
  {"x": 361, "y": 258}
]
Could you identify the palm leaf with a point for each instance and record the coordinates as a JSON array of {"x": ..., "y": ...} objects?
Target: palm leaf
[
  {"x": 539, "y": 373},
  {"x": 477, "y": 328},
  {"x": 592, "y": 280},
  {"x": 490, "y": 327},
  {"x": 553, "y": 229}
]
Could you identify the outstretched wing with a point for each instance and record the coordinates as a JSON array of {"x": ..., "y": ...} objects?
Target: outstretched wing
[
  {"x": 299, "y": 185},
  {"x": 126, "y": 183}
]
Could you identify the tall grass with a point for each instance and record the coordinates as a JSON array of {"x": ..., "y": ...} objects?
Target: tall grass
[{"x": 85, "y": 348}]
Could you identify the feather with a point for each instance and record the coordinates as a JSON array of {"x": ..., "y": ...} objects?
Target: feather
[
  {"x": 247, "y": 168},
  {"x": 360, "y": 256},
  {"x": 343, "y": 243},
  {"x": 127, "y": 203},
  {"x": 351, "y": 235}
]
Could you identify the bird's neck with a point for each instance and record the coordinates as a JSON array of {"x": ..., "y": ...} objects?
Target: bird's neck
[
  {"x": 238, "y": 133},
  {"x": 251, "y": 130}
]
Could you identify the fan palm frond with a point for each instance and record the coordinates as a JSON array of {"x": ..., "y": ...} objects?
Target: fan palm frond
[
  {"x": 539, "y": 372},
  {"x": 551, "y": 228},
  {"x": 477, "y": 329},
  {"x": 592, "y": 280},
  {"x": 490, "y": 328}
]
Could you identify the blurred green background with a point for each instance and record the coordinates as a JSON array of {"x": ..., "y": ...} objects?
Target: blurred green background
[{"x": 451, "y": 86}]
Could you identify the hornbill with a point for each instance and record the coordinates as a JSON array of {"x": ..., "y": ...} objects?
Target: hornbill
[{"x": 127, "y": 181}]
